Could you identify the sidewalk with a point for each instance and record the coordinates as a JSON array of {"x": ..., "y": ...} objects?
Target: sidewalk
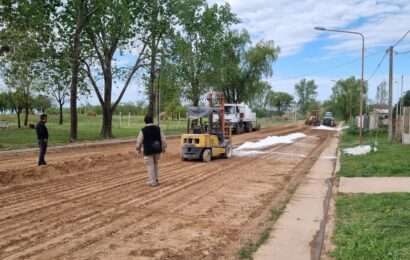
[
  {"x": 294, "y": 234},
  {"x": 374, "y": 184}
]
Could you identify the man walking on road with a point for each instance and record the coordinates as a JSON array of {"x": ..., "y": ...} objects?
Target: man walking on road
[
  {"x": 153, "y": 142},
  {"x": 42, "y": 137}
]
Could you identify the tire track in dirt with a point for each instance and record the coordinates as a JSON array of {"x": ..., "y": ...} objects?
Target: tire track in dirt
[{"x": 116, "y": 194}]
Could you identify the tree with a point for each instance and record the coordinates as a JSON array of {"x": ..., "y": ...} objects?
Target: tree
[
  {"x": 41, "y": 103},
  {"x": 242, "y": 67},
  {"x": 196, "y": 45},
  {"x": 345, "y": 98},
  {"x": 26, "y": 29},
  {"x": 69, "y": 21},
  {"x": 157, "y": 24},
  {"x": 16, "y": 99},
  {"x": 281, "y": 101},
  {"x": 112, "y": 27},
  {"x": 5, "y": 104},
  {"x": 306, "y": 91},
  {"x": 381, "y": 94},
  {"x": 19, "y": 78}
]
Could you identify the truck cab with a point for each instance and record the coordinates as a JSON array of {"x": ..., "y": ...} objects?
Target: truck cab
[{"x": 240, "y": 118}]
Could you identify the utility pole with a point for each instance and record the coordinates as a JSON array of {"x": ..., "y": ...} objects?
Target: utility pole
[
  {"x": 401, "y": 106},
  {"x": 391, "y": 50}
]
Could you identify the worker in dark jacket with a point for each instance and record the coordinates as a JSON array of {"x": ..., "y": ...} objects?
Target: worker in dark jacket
[
  {"x": 42, "y": 137},
  {"x": 153, "y": 142}
]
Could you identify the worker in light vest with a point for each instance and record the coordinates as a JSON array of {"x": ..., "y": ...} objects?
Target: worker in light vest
[{"x": 152, "y": 141}]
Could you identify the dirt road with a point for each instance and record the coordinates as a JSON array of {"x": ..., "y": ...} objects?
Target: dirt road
[{"x": 92, "y": 202}]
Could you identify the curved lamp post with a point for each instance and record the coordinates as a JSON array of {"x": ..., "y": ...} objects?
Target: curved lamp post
[{"x": 362, "y": 79}]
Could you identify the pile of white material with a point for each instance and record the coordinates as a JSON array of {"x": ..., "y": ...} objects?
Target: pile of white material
[
  {"x": 251, "y": 148},
  {"x": 247, "y": 153},
  {"x": 358, "y": 150},
  {"x": 327, "y": 128}
]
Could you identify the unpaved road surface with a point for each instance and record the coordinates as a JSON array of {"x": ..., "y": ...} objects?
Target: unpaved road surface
[{"x": 92, "y": 202}]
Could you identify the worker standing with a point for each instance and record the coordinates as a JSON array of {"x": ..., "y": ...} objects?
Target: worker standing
[
  {"x": 153, "y": 143},
  {"x": 42, "y": 138}
]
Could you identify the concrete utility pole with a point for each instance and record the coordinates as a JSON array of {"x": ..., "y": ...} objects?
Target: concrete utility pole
[{"x": 391, "y": 50}]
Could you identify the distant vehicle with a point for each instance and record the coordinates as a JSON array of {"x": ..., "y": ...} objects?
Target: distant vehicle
[
  {"x": 240, "y": 118},
  {"x": 329, "y": 120},
  {"x": 314, "y": 118}
]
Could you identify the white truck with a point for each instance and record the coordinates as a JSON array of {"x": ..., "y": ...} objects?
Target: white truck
[{"x": 241, "y": 118}]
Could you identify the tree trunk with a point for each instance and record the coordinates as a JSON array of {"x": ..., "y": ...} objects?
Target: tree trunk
[
  {"x": 75, "y": 67},
  {"x": 18, "y": 118},
  {"x": 106, "y": 127},
  {"x": 151, "y": 91},
  {"x": 26, "y": 112},
  {"x": 60, "y": 121}
]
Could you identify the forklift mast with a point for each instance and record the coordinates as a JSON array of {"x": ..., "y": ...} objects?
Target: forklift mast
[{"x": 217, "y": 98}]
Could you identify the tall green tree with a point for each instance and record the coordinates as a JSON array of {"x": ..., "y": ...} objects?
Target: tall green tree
[
  {"x": 345, "y": 98},
  {"x": 196, "y": 45},
  {"x": 26, "y": 28},
  {"x": 112, "y": 28},
  {"x": 281, "y": 101},
  {"x": 5, "y": 104},
  {"x": 306, "y": 91},
  {"x": 157, "y": 24},
  {"x": 242, "y": 67},
  {"x": 71, "y": 24}
]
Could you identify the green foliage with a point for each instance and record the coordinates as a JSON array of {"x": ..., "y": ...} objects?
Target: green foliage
[
  {"x": 281, "y": 101},
  {"x": 242, "y": 67},
  {"x": 197, "y": 48},
  {"x": 372, "y": 227},
  {"x": 306, "y": 91},
  {"x": 41, "y": 103},
  {"x": 345, "y": 99}
]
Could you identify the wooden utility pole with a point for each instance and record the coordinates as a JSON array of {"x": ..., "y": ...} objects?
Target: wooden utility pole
[{"x": 391, "y": 50}]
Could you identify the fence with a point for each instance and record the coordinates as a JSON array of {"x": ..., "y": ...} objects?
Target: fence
[{"x": 405, "y": 125}]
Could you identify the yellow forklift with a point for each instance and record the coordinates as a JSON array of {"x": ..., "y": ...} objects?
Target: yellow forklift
[{"x": 207, "y": 136}]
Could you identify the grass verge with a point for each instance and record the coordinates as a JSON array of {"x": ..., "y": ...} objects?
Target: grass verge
[
  {"x": 388, "y": 160},
  {"x": 372, "y": 227},
  {"x": 88, "y": 129}
]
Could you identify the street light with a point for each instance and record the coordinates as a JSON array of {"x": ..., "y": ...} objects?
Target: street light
[{"x": 362, "y": 80}]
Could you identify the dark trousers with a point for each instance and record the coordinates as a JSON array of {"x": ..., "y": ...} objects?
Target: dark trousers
[{"x": 43, "y": 150}]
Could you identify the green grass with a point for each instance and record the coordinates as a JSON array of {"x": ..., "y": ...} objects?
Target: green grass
[
  {"x": 372, "y": 227},
  {"x": 88, "y": 129},
  {"x": 388, "y": 160}
]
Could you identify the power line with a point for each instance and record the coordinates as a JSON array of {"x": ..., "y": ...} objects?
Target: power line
[
  {"x": 378, "y": 66},
  {"x": 401, "y": 39}
]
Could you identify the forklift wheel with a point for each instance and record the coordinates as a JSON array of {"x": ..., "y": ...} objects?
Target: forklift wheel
[{"x": 206, "y": 155}]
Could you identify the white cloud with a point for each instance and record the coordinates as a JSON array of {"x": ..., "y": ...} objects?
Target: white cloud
[{"x": 290, "y": 23}]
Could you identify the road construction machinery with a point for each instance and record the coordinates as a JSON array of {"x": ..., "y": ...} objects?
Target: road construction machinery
[
  {"x": 207, "y": 135},
  {"x": 314, "y": 118}
]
